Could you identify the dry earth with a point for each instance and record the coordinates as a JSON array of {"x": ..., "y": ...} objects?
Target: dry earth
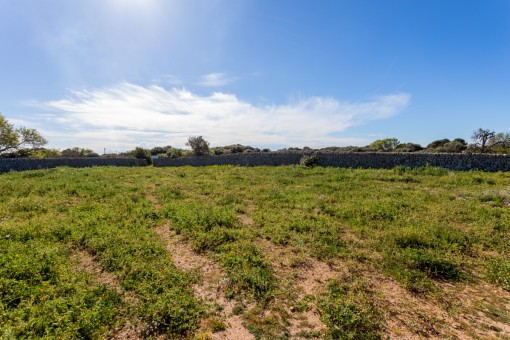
[{"x": 89, "y": 264}]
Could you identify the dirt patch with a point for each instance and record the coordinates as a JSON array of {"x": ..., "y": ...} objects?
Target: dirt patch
[
  {"x": 300, "y": 274},
  {"x": 211, "y": 286},
  {"x": 129, "y": 332},
  {"x": 485, "y": 308},
  {"x": 89, "y": 264},
  {"x": 458, "y": 314},
  {"x": 246, "y": 220},
  {"x": 307, "y": 278},
  {"x": 154, "y": 201}
]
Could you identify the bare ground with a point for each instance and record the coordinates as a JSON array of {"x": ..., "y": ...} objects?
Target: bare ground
[
  {"x": 479, "y": 311},
  {"x": 301, "y": 274},
  {"x": 89, "y": 264},
  {"x": 455, "y": 313},
  {"x": 306, "y": 277},
  {"x": 211, "y": 287},
  {"x": 470, "y": 311}
]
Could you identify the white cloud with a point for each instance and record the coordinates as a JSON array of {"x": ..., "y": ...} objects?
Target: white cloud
[
  {"x": 128, "y": 115},
  {"x": 215, "y": 80}
]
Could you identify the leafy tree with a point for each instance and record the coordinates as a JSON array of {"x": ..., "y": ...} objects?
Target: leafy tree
[
  {"x": 500, "y": 143},
  {"x": 12, "y": 140},
  {"x": 142, "y": 153},
  {"x": 385, "y": 145},
  {"x": 408, "y": 147},
  {"x": 45, "y": 153},
  {"x": 234, "y": 148},
  {"x": 199, "y": 145},
  {"x": 445, "y": 145},
  {"x": 78, "y": 153},
  {"x": 455, "y": 146},
  {"x": 174, "y": 153},
  {"x": 158, "y": 150},
  {"x": 437, "y": 143}
]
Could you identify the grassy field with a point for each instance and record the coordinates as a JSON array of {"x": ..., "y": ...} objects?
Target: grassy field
[{"x": 263, "y": 252}]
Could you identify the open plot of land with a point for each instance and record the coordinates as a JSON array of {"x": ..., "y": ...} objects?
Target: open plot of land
[{"x": 265, "y": 252}]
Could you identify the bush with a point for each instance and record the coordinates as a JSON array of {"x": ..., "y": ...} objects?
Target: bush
[
  {"x": 499, "y": 273},
  {"x": 350, "y": 312},
  {"x": 309, "y": 161},
  {"x": 142, "y": 153}
]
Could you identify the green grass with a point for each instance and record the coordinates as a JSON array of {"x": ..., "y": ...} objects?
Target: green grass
[{"x": 423, "y": 227}]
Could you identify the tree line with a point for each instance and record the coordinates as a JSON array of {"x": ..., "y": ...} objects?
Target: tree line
[{"x": 28, "y": 143}]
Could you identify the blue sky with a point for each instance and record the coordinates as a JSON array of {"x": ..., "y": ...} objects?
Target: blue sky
[{"x": 117, "y": 74}]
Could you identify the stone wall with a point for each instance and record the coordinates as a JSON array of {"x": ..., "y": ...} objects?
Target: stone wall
[
  {"x": 345, "y": 160},
  {"x": 373, "y": 160},
  {"x": 19, "y": 164}
]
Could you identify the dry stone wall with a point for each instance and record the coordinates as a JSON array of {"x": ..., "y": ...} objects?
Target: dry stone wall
[
  {"x": 20, "y": 164},
  {"x": 345, "y": 160},
  {"x": 372, "y": 160}
]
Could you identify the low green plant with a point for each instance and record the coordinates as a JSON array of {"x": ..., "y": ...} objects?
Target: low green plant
[
  {"x": 349, "y": 310},
  {"x": 499, "y": 273},
  {"x": 215, "y": 324}
]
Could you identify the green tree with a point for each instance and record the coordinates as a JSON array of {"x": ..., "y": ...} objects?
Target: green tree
[
  {"x": 408, "y": 147},
  {"x": 12, "y": 140},
  {"x": 78, "y": 153},
  {"x": 500, "y": 143},
  {"x": 142, "y": 153},
  {"x": 437, "y": 144},
  {"x": 455, "y": 146},
  {"x": 385, "y": 145},
  {"x": 45, "y": 153},
  {"x": 199, "y": 145}
]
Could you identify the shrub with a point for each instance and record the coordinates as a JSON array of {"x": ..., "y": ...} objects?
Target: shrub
[
  {"x": 499, "y": 273},
  {"x": 350, "y": 312},
  {"x": 142, "y": 153},
  {"x": 309, "y": 161}
]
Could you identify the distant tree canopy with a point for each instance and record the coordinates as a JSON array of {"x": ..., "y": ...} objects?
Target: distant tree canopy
[
  {"x": 27, "y": 143},
  {"x": 45, "y": 153},
  {"x": 408, "y": 147},
  {"x": 140, "y": 153},
  {"x": 234, "y": 148},
  {"x": 445, "y": 145},
  {"x": 385, "y": 145},
  {"x": 490, "y": 141},
  {"x": 78, "y": 153},
  {"x": 13, "y": 140},
  {"x": 199, "y": 145}
]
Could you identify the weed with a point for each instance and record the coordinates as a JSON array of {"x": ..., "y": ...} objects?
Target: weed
[
  {"x": 349, "y": 310},
  {"x": 309, "y": 161},
  {"x": 499, "y": 273},
  {"x": 215, "y": 324}
]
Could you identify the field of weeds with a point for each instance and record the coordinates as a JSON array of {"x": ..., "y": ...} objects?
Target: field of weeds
[{"x": 263, "y": 253}]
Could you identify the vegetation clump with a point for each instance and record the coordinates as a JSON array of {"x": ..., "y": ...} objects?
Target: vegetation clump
[
  {"x": 350, "y": 311},
  {"x": 309, "y": 160}
]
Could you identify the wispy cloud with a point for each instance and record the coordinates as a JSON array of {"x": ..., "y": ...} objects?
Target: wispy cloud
[
  {"x": 216, "y": 80},
  {"x": 127, "y": 115}
]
